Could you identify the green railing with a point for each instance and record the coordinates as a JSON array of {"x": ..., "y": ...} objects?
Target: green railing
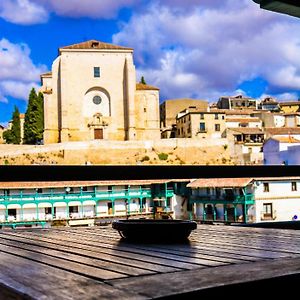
[
  {"x": 236, "y": 199},
  {"x": 80, "y": 196}
]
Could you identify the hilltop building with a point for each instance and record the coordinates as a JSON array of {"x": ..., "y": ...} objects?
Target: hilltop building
[
  {"x": 91, "y": 93},
  {"x": 237, "y": 102},
  {"x": 169, "y": 110}
]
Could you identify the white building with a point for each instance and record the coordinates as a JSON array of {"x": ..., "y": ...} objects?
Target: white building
[
  {"x": 279, "y": 150},
  {"x": 249, "y": 200}
]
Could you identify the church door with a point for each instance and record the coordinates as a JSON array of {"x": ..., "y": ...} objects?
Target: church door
[{"x": 98, "y": 134}]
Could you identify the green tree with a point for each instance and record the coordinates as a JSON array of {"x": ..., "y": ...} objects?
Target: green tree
[
  {"x": 34, "y": 118},
  {"x": 143, "y": 80},
  {"x": 13, "y": 135}
]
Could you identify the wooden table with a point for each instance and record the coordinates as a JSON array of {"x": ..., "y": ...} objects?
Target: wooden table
[{"x": 94, "y": 263}]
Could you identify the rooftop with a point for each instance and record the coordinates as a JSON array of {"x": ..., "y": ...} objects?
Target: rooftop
[
  {"x": 220, "y": 182},
  {"x": 94, "y": 44},
  {"x": 282, "y": 130},
  {"x": 94, "y": 263},
  {"x": 145, "y": 87}
]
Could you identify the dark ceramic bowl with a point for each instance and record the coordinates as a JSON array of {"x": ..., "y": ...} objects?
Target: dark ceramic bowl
[{"x": 154, "y": 230}]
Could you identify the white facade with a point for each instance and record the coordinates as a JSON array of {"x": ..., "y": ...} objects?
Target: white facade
[
  {"x": 276, "y": 152},
  {"x": 277, "y": 200}
]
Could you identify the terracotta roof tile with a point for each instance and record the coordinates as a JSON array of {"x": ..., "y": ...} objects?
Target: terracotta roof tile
[
  {"x": 247, "y": 130},
  {"x": 93, "y": 44},
  {"x": 60, "y": 184},
  {"x": 219, "y": 182},
  {"x": 245, "y": 120},
  {"x": 282, "y": 130},
  {"x": 145, "y": 87},
  {"x": 285, "y": 139}
]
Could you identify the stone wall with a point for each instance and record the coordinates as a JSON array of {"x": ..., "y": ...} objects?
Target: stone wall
[{"x": 171, "y": 151}]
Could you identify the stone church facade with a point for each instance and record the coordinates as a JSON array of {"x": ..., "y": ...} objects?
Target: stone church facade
[{"x": 91, "y": 93}]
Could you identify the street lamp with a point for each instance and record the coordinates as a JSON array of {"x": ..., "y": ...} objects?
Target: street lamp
[{"x": 288, "y": 7}]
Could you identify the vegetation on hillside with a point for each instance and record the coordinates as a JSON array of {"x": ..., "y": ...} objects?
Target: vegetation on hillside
[{"x": 13, "y": 135}]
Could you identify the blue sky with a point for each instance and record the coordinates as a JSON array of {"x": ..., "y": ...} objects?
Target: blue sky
[{"x": 198, "y": 48}]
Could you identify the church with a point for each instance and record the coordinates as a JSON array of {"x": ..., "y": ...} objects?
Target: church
[{"x": 91, "y": 93}]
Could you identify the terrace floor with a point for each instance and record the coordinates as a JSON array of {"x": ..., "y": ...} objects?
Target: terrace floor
[{"x": 94, "y": 263}]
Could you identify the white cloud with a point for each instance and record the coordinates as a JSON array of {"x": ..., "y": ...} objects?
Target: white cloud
[
  {"x": 210, "y": 50},
  {"x": 27, "y": 12},
  {"x": 24, "y": 12},
  {"x": 18, "y": 73},
  {"x": 88, "y": 8}
]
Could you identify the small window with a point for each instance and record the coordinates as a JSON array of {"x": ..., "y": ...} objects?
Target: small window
[
  {"x": 267, "y": 211},
  {"x": 294, "y": 186},
  {"x": 216, "y": 117},
  {"x": 145, "y": 109},
  {"x": 96, "y": 71},
  {"x": 217, "y": 127},
  {"x": 39, "y": 190},
  {"x": 84, "y": 189},
  {"x": 73, "y": 209},
  {"x": 109, "y": 188},
  {"x": 266, "y": 187},
  {"x": 202, "y": 127},
  {"x": 48, "y": 211},
  {"x": 202, "y": 116}
]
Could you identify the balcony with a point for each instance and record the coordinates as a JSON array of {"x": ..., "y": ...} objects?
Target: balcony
[
  {"x": 81, "y": 196},
  {"x": 213, "y": 199}
]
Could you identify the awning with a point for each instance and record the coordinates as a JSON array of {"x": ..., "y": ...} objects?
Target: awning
[{"x": 289, "y": 7}]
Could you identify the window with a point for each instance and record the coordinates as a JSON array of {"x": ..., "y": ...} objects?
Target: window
[
  {"x": 201, "y": 116},
  {"x": 217, "y": 127},
  {"x": 202, "y": 127},
  {"x": 266, "y": 187},
  {"x": 96, "y": 71},
  {"x": 47, "y": 210},
  {"x": 216, "y": 117},
  {"x": 39, "y": 190},
  {"x": 267, "y": 211},
  {"x": 84, "y": 189},
  {"x": 73, "y": 209},
  {"x": 294, "y": 186},
  {"x": 97, "y": 100},
  {"x": 145, "y": 109}
]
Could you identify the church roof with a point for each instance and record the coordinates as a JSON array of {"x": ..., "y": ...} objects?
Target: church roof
[
  {"x": 94, "y": 44},
  {"x": 143, "y": 87}
]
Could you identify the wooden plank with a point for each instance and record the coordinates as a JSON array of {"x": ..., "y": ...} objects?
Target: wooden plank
[
  {"x": 22, "y": 278},
  {"x": 63, "y": 253},
  {"x": 78, "y": 268},
  {"x": 178, "y": 284},
  {"x": 135, "y": 254},
  {"x": 98, "y": 252}
]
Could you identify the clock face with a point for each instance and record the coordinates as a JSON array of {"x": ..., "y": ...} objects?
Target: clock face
[{"x": 97, "y": 100}]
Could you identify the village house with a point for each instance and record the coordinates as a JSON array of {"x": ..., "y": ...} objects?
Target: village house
[
  {"x": 237, "y": 102},
  {"x": 269, "y": 104},
  {"x": 91, "y": 93},
  {"x": 289, "y": 106},
  {"x": 277, "y": 150},
  {"x": 200, "y": 124},
  {"x": 245, "y": 199},
  {"x": 245, "y": 144},
  {"x": 77, "y": 202},
  {"x": 169, "y": 110}
]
